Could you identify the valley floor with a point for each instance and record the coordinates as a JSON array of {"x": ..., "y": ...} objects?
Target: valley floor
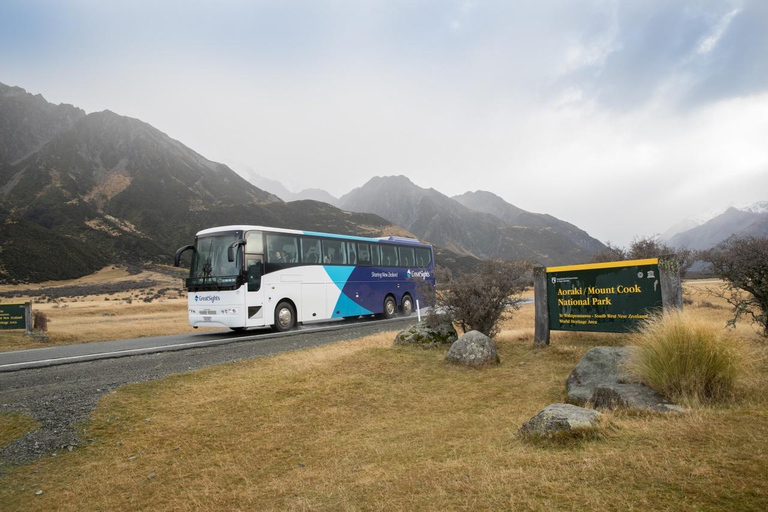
[
  {"x": 364, "y": 425},
  {"x": 112, "y": 304}
]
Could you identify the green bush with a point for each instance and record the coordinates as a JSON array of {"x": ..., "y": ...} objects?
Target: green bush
[{"x": 687, "y": 360}]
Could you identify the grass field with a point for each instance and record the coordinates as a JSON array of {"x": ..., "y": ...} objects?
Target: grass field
[
  {"x": 109, "y": 305},
  {"x": 361, "y": 425}
]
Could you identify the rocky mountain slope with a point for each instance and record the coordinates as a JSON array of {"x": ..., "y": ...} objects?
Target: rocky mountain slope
[
  {"x": 744, "y": 220},
  {"x": 84, "y": 191},
  {"x": 488, "y": 202},
  {"x": 446, "y": 222},
  {"x": 27, "y": 122}
]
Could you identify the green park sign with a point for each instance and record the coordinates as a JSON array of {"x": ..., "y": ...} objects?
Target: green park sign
[
  {"x": 607, "y": 297},
  {"x": 14, "y": 316}
]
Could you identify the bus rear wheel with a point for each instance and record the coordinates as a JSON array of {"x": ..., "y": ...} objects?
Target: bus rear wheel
[
  {"x": 285, "y": 317},
  {"x": 390, "y": 307},
  {"x": 407, "y": 307}
]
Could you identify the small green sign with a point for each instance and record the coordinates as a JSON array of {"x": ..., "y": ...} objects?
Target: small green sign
[
  {"x": 606, "y": 297},
  {"x": 13, "y": 316}
]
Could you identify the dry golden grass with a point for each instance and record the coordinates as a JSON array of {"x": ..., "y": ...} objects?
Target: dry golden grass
[
  {"x": 362, "y": 425},
  {"x": 102, "y": 317}
]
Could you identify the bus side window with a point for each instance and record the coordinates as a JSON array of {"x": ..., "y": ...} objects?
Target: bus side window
[
  {"x": 422, "y": 257},
  {"x": 352, "y": 256},
  {"x": 389, "y": 256},
  {"x": 310, "y": 251},
  {"x": 363, "y": 254},
  {"x": 334, "y": 252},
  {"x": 406, "y": 256},
  {"x": 281, "y": 249},
  {"x": 375, "y": 255}
]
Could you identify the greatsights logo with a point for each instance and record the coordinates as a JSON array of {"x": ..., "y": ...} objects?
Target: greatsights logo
[
  {"x": 207, "y": 298},
  {"x": 417, "y": 273}
]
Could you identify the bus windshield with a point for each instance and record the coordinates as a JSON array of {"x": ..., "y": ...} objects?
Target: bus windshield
[{"x": 209, "y": 261}]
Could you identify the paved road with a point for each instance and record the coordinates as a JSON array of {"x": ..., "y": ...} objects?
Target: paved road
[
  {"x": 63, "y": 395},
  {"x": 76, "y": 353}
]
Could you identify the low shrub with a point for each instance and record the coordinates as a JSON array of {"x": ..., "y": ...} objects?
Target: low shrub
[
  {"x": 686, "y": 359},
  {"x": 39, "y": 321}
]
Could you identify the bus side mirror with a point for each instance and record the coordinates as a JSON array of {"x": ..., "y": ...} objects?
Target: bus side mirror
[
  {"x": 177, "y": 256},
  {"x": 231, "y": 249}
]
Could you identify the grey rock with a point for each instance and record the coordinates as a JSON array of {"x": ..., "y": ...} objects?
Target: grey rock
[
  {"x": 423, "y": 335},
  {"x": 152, "y": 476},
  {"x": 473, "y": 349},
  {"x": 601, "y": 380},
  {"x": 599, "y": 365},
  {"x": 631, "y": 396},
  {"x": 559, "y": 418}
]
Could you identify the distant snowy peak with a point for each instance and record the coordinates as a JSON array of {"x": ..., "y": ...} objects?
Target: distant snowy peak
[
  {"x": 758, "y": 208},
  {"x": 738, "y": 220}
]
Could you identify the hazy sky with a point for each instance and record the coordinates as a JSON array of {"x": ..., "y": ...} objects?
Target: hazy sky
[{"x": 622, "y": 117}]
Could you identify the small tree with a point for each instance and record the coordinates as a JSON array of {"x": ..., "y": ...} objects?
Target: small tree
[
  {"x": 743, "y": 264},
  {"x": 610, "y": 253},
  {"x": 643, "y": 247},
  {"x": 480, "y": 300}
]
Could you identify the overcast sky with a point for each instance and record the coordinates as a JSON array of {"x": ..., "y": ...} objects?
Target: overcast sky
[{"x": 623, "y": 117}]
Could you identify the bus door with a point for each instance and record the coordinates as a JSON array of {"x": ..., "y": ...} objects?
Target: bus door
[
  {"x": 254, "y": 295},
  {"x": 254, "y": 271}
]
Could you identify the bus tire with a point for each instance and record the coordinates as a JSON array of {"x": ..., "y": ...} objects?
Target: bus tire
[
  {"x": 390, "y": 307},
  {"x": 285, "y": 316},
  {"x": 407, "y": 308}
]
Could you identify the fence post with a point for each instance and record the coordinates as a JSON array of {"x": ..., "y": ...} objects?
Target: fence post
[
  {"x": 671, "y": 283},
  {"x": 27, "y": 318},
  {"x": 541, "y": 307}
]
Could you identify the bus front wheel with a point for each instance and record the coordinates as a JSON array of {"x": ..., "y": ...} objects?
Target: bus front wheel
[
  {"x": 285, "y": 317},
  {"x": 390, "y": 307}
]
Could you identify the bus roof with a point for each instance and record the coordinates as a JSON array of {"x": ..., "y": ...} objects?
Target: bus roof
[{"x": 243, "y": 227}]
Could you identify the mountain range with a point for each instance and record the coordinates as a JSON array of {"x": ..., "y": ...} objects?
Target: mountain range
[
  {"x": 478, "y": 224},
  {"x": 78, "y": 192},
  {"x": 281, "y": 191},
  {"x": 707, "y": 231}
]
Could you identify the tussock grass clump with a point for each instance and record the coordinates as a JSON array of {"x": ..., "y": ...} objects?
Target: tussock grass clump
[{"x": 688, "y": 359}]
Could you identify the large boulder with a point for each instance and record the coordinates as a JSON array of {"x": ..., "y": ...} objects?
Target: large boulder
[
  {"x": 599, "y": 365},
  {"x": 424, "y": 335},
  {"x": 473, "y": 349},
  {"x": 560, "y": 418},
  {"x": 602, "y": 380}
]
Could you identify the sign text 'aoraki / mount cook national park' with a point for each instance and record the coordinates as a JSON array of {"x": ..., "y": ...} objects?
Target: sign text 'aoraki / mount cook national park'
[{"x": 610, "y": 297}]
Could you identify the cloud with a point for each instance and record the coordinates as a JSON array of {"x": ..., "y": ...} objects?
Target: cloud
[
  {"x": 709, "y": 42},
  {"x": 614, "y": 115}
]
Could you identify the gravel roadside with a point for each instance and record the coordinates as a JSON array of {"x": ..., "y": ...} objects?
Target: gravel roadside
[{"x": 62, "y": 397}]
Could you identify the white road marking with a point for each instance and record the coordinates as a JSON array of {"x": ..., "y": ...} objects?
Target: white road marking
[{"x": 162, "y": 348}]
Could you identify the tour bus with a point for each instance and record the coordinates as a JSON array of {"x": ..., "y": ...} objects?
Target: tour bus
[{"x": 255, "y": 276}]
